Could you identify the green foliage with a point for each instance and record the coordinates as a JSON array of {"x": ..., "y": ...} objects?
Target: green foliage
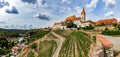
[
  {"x": 10, "y": 33},
  {"x": 30, "y": 54},
  {"x": 34, "y": 45},
  {"x": 102, "y": 24},
  {"x": 94, "y": 39},
  {"x": 5, "y": 46},
  {"x": 111, "y": 32},
  {"x": 71, "y": 25},
  {"x": 36, "y": 34}
]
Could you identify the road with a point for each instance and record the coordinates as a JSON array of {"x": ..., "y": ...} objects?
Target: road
[
  {"x": 115, "y": 41},
  {"x": 59, "y": 44}
]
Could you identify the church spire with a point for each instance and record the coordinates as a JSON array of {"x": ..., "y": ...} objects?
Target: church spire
[
  {"x": 83, "y": 11},
  {"x": 83, "y": 15}
]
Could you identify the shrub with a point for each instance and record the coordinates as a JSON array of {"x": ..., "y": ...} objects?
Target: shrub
[
  {"x": 71, "y": 25},
  {"x": 34, "y": 45},
  {"x": 94, "y": 39},
  {"x": 111, "y": 32}
]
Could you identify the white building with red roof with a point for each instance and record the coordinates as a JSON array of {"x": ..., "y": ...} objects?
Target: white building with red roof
[{"x": 79, "y": 21}]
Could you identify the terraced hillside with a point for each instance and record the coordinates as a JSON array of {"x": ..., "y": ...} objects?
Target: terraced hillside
[{"x": 76, "y": 44}]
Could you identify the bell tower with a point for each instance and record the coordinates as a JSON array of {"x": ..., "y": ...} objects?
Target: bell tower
[{"x": 83, "y": 15}]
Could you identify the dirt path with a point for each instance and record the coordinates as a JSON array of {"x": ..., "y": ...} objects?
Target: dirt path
[
  {"x": 59, "y": 44},
  {"x": 24, "y": 53}
]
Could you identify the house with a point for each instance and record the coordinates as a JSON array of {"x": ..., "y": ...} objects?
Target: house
[
  {"x": 106, "y": 23},
  {"x": 59, "y": 25},
  {"x": 15, "y": 50},
  {"x": 110, "y": 21}
]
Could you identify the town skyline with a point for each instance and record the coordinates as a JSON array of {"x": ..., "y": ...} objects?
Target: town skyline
[{"x": 43, "y": 13}]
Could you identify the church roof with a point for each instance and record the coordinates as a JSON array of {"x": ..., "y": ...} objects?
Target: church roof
[
  {"x": 83, "y": 11},
  {"x": 72, "y": 18}
]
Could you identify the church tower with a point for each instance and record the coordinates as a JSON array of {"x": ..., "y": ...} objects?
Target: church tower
[{"x": 83, "y": 15}]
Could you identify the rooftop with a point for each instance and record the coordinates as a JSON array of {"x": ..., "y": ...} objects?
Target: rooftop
[
  {"x": 107, "y": 21},
  {"x": 72, "y": 18}
]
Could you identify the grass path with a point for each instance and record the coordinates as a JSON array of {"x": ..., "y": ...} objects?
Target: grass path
[{"x": 59, "y": 44}]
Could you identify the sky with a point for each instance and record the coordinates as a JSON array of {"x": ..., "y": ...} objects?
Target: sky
[{"x": 31, "y": 14}]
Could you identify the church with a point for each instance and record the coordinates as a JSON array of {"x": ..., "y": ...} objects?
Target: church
[{"x": 79, "y": 21}]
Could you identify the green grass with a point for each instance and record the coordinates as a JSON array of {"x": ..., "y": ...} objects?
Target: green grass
[
  {"x": 30, "y": 54},
  {"x": 64, "y": 33},
  {"x": 82, "y": 42},
  {"x": 47, "y": 48}
]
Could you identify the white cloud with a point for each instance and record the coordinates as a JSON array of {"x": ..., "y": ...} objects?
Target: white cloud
[
  {"x": 109, "y": 3},
  {"x": 92, "y": 4},
  {"x": 42, "y": 3},
  {"x": 67, "y": 1},
  {"x": 42, "y": 16},
  {"x": 109, "y": 14},
  {"x": 78, "y": 9}
]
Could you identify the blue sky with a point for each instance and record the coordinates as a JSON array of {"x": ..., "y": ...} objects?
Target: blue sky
[{"x": 27, "y": 14}]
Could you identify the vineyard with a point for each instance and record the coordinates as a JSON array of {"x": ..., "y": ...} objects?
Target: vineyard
[
  {"x": 47, "y": 48},
  {"x": 77, "y": 44}
]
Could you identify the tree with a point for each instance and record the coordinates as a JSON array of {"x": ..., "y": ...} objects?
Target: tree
[
  {"x": 90, "y": 27},
  {"x": 118, "y": 27},
  {"x": 102, "y": 24},
  {"x": 71, "y": 25},
  {"x": 34, "y": 45}
]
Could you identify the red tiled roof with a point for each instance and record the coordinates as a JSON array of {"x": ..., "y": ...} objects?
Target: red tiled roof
[
  {"x": 15, "y": 48},
  {"x": 72, "y": 18},
  {"x": 107, "y": 21},
  {"x": 104, "y": 41},
  {"x": 87, "y": 21}
]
